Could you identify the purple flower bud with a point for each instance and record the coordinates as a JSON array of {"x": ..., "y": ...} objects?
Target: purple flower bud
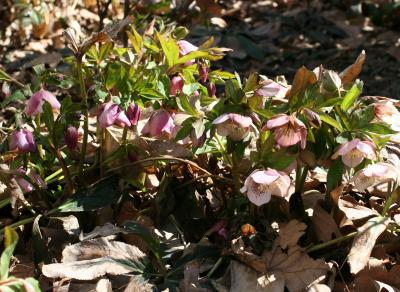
[
  {"x": 134, "y": 112},
  {"x": 176, "y": 85},
  {"x": 26, "y": 186},
  {"x": 23, "y": 141},
  {"x": 160, "y": 123},
  {"x": 110, "y": 113},
  {"x": 35, "y": 103},
  {"x": 203, "y": 73},
  {"x": 71, "y": 137},
  {"x": 212, "y": 89}
]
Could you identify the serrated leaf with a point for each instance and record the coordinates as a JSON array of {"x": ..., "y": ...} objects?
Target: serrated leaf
[
  {"x": 170, "y": 49},
  {"x": 379, "y": 128},
  {"x": 136, "y": 40},
  {"x": 193, "y": 55},
  {"x": 331, "y": 121}
]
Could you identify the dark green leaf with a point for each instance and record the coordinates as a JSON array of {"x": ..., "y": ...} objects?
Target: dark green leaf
[{"x": 334, "y": 177}]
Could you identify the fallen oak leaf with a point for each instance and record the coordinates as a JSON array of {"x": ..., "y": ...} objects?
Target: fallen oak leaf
[{"x": 364, "y": 242}]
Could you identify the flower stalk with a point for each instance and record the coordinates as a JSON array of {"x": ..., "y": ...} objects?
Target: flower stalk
[{"x": 85, "y": 116}]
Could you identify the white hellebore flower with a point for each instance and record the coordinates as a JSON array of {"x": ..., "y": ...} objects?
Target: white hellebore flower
[
  {"x": 260, "y": 185},
  {"x": 374, "y": 174}
]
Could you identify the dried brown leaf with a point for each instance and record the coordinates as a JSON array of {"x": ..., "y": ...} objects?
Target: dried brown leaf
[
  {"x": 325, "y": 227},
  {"x": 351, "y": 73},
  {"x": 353, "y": 210},
  {"x": 286, "y": 260},
  {"x": 302, "y": 79},
  {"x": 94, "y": 258},
  {"x": 364, "y": 242}
]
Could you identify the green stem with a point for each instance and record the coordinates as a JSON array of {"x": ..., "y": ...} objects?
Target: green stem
[
  {"x": 215, "y": 267},
  {"x": 19, "y": 223},
  {"x": 223, "y": 150},
  {"x": 85, "y": 116},
  {"x": 235, "y": 173},
  {"x": 68, "y": 181},
  {"x": 391, "y": 197},
  {"x": 330, "y": 242},
  {"x": 39, "y": 146},
  {"x": 124, "y": 135}
]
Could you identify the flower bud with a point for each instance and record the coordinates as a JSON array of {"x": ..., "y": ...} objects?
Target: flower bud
[
  {"x": 134, "y": 112},
  {"x": 35, "y": 103},
  {"x": 185, "y": 47},
  {"x": 23, "y": 141},
  {"x": 203, "y": 73},
  {"x": 71, "y": 137},
  {"x": 313, "y": 118},
  {"x": 212, "y": 89},
  {"x": 176, "y": 85},
  {"x": 25, "y": 185}
]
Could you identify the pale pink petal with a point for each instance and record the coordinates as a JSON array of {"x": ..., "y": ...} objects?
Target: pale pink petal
[
  {"x": 50, "y": 98},
  {"x": 346, "y": 148},
  {"x": 367, "y": 148},
  {"x": 122, "y": 120},
  {"x": 353, "y": 158},
  {"x": 241, "y": 121},
  {"x": 185, "y": 47},
  {"x": 222, "y": 118},
  {"x": 277, "y": 121},
  {"x": 264, "y": 176},
  {"x": 286, "y": 136},
  {"x": 269, "y": 89}
]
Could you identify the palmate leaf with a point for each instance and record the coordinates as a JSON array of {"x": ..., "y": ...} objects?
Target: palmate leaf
[{"x": 92, "y": 198}]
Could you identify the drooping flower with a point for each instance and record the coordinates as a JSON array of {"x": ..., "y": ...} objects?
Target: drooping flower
[
  {"x": 71, "y": 137},
  {"x": 110, "y": 113},
  {"x": 260, "y": 185},
  {"x": 287, "y": 130},
  {"x": 234, "y": 126},
  {"x": 25, "y": 185},
  {"x": 160, "y": 123},
  {"x": 23, "y": 141},
  {"x": 185, "y": 47},
  {"x": 374, "y": 174},
  {"x": 354, "y": 152},
  {"x": 35, "y": 103},
  {"x": 176, "y": 85},
  {"x": 134, "y": 112}
]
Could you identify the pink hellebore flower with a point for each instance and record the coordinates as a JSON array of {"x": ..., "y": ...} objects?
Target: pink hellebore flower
[
  {"x": 374, "y": 174},
  {"x": 386, "y": 112},
  {"x": 134, "y": 112},
  {"x": 185, "y": 47},
  {"x": 260, "y": 185},
  {"x": 35, "y": 103},
  {"x": 288, "y": 130},
  {"x": 110, "y": 114},
  {"x": 234, "y": 126},
  {"x": 23, "y": 141},
  {"x": 71, "y": 137},
  {"x": 26, "y": 186},
  {"x": 354, "y": 152},
  {"x": 160, "y": 123},
  {"x": 176, "y": 85}
]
